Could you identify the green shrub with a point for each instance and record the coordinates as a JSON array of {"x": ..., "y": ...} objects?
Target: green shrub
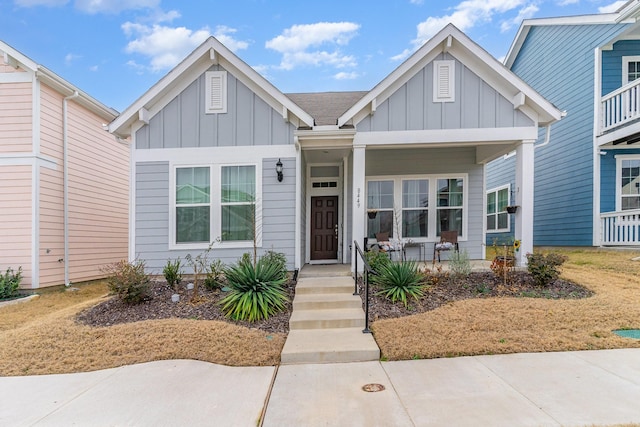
[
  {"x": 10, "y": 282},
  {"x": 377, "y": 260},
  {"x": 544, "y": 268},
  {"x": 399, "y": 280},
  {"x": 277, "y": 258},
  {"x": 256, "y": 292},
  {"x": 215, "y": 275},
  {"x": 459, "y": 263},
  {"x": 173, "y": 273},
  {"x": 128, "y": 281}
]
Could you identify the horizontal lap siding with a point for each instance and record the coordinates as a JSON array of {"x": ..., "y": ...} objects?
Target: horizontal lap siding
[
  {"x": 98, "y": 196},
  {"x": 557, "y": 61},
  {"x": 612, "y": 63},
  {"x": 15, "y": 117},
  {"x": 15, "y": 220},
  {"x": 152, "y": 216}
]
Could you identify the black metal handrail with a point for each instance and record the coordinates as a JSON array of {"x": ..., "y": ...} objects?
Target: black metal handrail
[{"x": 365, "y": 279}]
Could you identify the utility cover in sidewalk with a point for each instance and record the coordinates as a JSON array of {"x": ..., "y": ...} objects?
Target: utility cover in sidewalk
[{"x": 628, "y": 333}]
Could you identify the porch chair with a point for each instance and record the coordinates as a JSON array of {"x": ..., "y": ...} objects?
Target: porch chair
[{"x": 448, "y": 241}]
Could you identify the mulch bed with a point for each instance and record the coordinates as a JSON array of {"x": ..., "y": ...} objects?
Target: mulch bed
[
  {"x": 159, "y": 306},
  {"x": 443, "y": 288}
]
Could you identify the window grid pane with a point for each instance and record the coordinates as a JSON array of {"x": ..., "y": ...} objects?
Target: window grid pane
[
  {"x": 192, "y": 186},
  {"x": 380, "y": 195},
  {"x": 382, "y": 223},
  {"x": 238, "y": 190},
  {"x": 238, "y": 184},
  {"x": 192, "y": 224}
]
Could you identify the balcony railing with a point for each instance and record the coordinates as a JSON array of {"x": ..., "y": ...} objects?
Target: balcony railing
[
  {"x": 620, "y": 106},
  {"x": 620, "y": 228}
]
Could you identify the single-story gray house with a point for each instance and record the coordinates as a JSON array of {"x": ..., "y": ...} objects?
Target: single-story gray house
[{"x": 209, "y": 139}]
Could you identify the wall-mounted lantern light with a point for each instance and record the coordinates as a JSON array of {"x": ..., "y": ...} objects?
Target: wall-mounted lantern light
[{"x": 279, "y": 170}]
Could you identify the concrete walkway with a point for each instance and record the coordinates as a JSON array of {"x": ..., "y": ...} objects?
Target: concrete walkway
[{"x": 586, "y": 388}]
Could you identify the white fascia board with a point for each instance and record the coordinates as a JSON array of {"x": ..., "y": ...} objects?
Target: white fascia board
[
  {"x": 182, "y": 75},
  {"x": 629, "y": 10},
  {"x": 23, "y": 61},
  {"x": 527, "y": 24},
  {"x": 231, "y": 155},
  {"x": 447, "y": 137}
]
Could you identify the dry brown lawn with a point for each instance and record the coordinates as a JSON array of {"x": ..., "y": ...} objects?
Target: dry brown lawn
[
  {"x": 510, "y": 325},
  {"x": 42, "y": 337}
]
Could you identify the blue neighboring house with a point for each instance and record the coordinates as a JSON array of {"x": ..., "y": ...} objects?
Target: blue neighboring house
[{"x": 587, "y": 166}]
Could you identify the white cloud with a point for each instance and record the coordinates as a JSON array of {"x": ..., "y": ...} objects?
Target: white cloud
[
  {"x": 46, "y": 3},
  {"x": 93, "y": 68},
  {"x": 416, "y": 1},
  {"x": 114, "y": 6},
  {"x": 165, "y": 46},
  {"x": 296, "y": 43},
  {"x": 224, "y": 36},
  {"x": 610, "y": 8},
  {"x": 464, "y": 16},
  {"x": 346, "y": 76},
  {"x": 70, "y": 57},
  {"x": 567, "y": 2},
  {"x": 524, "y": 13}
]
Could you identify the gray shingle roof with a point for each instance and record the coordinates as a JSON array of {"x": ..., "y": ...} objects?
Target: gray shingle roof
[{"x": 326, "y": 107}]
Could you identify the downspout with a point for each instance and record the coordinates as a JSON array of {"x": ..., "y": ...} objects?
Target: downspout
[
  {"x": 548, "y": 132},
  {"x": 65, "y": 185}
]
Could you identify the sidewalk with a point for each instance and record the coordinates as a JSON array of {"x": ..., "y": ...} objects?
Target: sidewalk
[{"x": 585, "y": 388}]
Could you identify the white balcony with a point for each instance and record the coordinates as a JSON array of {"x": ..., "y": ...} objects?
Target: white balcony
[
  {"x": 620, "y": 228},
  {"x": 620, "y": 107}
]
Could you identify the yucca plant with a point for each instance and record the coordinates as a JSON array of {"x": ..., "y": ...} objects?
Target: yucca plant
[
  {"x": 256, "y": 292},
  {"x": 399, "y": 280}
]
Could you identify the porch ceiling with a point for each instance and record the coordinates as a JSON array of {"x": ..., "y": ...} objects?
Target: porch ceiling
[{"x": 325, "y": 156}]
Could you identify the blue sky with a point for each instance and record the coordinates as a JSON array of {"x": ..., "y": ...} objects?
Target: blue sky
[{"x": 117, "y": 49}]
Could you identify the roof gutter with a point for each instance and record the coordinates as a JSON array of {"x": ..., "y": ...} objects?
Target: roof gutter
[{"x": 65, "y": 173}]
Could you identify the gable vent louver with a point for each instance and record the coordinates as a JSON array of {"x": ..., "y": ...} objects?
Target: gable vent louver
[
  {"x": 444, "y": 81},
  {"x": 216, "y": 92}
]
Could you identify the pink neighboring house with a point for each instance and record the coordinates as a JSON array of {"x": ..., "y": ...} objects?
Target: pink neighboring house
[{"x": 64, "y": 180}]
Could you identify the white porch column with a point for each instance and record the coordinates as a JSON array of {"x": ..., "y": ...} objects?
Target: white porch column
[
  {"x": 525, "y": 156},
  {"x": 359, "y": 201}
]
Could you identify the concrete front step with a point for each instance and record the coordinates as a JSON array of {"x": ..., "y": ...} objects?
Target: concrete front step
[
  {"x": 325, "y": 285},
  {"x": 333, "y": 318},
  {"x": 326, "y": 301},
  {"x": 329, "y": 346}
]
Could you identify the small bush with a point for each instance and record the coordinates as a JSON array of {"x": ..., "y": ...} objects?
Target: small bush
[
  {"x": 256, "y": 292},
  {"x": 544, "y": 268},
  {"x": 215, "y": 275},
  {"x": 459, "y": 263},
  {"x": 10, "y": 282},
  {"x": 377, "y": 260},
  {"x": 173, "y": 273},
  {"x": 399, "y": 280},
  {"x": 503, "y": 267},
  {"x": 278, "y": 259},
  {"x": 128, "y": 281}
]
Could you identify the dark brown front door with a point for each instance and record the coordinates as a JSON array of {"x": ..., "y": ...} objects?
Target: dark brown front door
[{"x": 324, "y": 228}]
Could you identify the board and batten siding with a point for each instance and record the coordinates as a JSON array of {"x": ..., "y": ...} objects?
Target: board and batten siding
[
  {"x": 394, "y": 163},
  {"x": 16, "y": 106},
  {"x": 476, "y": 105},
  {"x": 498, "y": 173},
  {"x": 558, "y": 62},
  {"x": 152, "y": 216},
  {"x": 15, "y": 219},
  {"x": 182, "y": 123}
]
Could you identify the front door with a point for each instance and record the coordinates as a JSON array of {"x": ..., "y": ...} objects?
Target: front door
[{"x": 324, "y": 228}]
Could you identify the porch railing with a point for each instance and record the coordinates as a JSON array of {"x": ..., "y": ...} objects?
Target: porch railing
[
  {"x": 365, "y": 279},
  {"x": 620, "y": 106},
  {"x": 620, "y": 228}
]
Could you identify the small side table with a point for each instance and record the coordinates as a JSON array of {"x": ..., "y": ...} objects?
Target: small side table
[{"x": 419, "y": 245}]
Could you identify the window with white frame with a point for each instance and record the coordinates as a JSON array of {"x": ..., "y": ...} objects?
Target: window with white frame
[
  {"x": 429, "y": 205},
  {"x": 629, "y": 187},
  {"x": 497, "y": 216},
  {"x": 450, "y": 205},
  {"x": 630, "y": 69},
  {"x": 193, "y": 205},
  {"x": 238, "y": 196},
  {"x": 415, "y": 204},
  {"x": 380, "y": 207}
]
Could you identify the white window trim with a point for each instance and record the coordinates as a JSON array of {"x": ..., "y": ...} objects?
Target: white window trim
[
  {"x": 433, "y": 190},
  {"x": 423, "y": 208},
  {"x": 496, "y": 190},
  {"x": 625, "y": 67},
  {"x": 444, "y": 68},
  {"x": 221, "y": 108},
  {"x": 619, "y": 159},
  {"x": 215, "y": 198}
]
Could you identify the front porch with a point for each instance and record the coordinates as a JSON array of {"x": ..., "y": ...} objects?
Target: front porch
[{"x": 620, "y": 228}]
